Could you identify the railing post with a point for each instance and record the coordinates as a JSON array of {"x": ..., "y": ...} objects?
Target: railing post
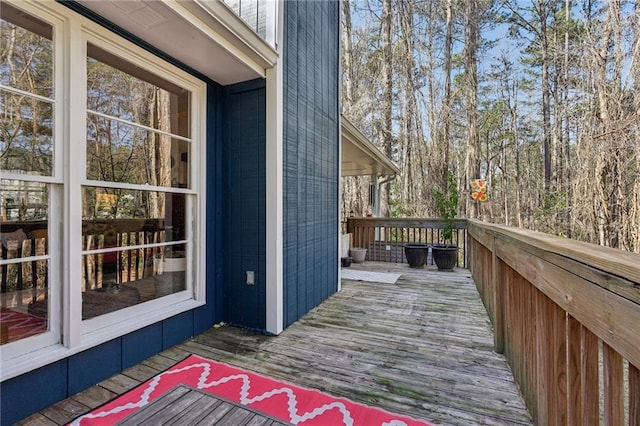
[{"x": 497, "y": 286}]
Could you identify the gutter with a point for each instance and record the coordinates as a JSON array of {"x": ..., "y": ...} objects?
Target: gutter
[{"x": 376, "y": 211}]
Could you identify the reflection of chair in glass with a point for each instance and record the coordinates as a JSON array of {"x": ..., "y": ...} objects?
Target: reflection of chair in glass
[
  {"x": 26, "y": 239},
  {"x": 39, "y": 236},
  {"x": 12, "y": 242}
]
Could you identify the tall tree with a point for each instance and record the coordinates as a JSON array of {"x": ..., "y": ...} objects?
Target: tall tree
[
  {"x": 535, "y": 21},
  {"x": 448, "y": 99},
  {"x": 387, "y": 94},
  {"x": 472, "y": 34}
]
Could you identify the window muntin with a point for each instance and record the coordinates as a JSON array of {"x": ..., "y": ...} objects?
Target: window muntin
[{"x": 26, "y": 93}]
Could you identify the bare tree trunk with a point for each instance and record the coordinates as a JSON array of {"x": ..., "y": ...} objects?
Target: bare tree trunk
[
  {"x": 446, "y": 105},
  {"x": 565, "y": 116},
  {"x": 472, "y": 162},
  {"x": 387, "y": 95},
  {"x": 163, "y": 153},
  {"x": 606, "y": 170},
  {"x": 431, "y": 106},
  {"x": 635, "y": 70},
  {"x": 546, "y": 102},
  {"x": 347, "y": 55}
]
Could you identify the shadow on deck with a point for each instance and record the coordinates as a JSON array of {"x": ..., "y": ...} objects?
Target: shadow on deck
[{"x": 421, "y": 347}]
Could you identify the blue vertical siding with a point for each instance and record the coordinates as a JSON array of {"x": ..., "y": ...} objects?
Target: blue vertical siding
[
  {"x": 310, "y": 154},
  {"x": 244, "y": 193},
  {"x": 32, "y": 392}
]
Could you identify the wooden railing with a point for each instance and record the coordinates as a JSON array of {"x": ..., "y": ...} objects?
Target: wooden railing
[
  {"x": 567, "y": 317},
  {"x": 384, "y": 238}
]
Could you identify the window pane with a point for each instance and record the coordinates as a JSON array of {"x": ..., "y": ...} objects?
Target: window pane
[
  {"x": 108, "y": 212},
  {"x": 26, "y": 129},
  {"x": 23, "y": 284},
  {"x": 120, "y": 89},
  {"x": 24, "y": 306},
  {"x": 122, "y": 219},
  {"x": 23, "y": 205},
  {"x": 26, "y": 53},
  {"x": 117, "y": 280},
  {"x": 120, "y": 152}
]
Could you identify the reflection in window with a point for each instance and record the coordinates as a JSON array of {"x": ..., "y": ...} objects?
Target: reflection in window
[
  {"x": 119, "y": 89},
  {"x": 134, "y": 247},
  {"x": 24, "y": 260},
  {"x": 26, "y": 93},
  {"x": 121, "y": 152},
  {"x": 134, "y": 239}
]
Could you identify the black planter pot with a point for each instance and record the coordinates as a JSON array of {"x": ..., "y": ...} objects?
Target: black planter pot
[
  {"x": 445, "y": 256},
  {"x": 416, "y": 255},
  {"x": 346, "y": 261}
]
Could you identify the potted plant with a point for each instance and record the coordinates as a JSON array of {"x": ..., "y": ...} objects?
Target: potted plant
[
  {"x": 359, "y": 254},
  {"x": 346, "y": 261},
  {"x": 446, "y": 255},
  {"x": 416, "y": 254}
]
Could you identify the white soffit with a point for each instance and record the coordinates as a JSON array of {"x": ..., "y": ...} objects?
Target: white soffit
[
  {"x": 360, "y": 157},
  {"x": 209, "y": 37}
]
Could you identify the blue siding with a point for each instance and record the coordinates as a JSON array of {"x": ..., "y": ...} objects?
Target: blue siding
[
  {"x": 211, "y": 313},
  {"x": 93, "y": 365},
  {"x": 311, "y": 126},
  {"x": 32, "y": 392},
  {"x": 133, "y": 352},
  {"x": 244, "y": 194}
]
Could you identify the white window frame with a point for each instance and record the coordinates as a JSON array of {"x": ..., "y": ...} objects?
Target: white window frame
[{"x": 69, "y": 333}]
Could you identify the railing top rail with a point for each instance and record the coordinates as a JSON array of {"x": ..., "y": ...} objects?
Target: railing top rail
[
  {"x": 616, "y": 262},
  {"x": 406, "y": 222}
]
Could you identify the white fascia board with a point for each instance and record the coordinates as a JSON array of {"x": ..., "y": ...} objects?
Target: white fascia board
[
  {"x": 246, "y": 53},
  {"x": 218, "y": 16}
]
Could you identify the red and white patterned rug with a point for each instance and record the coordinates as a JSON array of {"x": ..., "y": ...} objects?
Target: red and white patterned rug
[
  {"x": 18, "y": 325},
  {"x": 282, "y": 400}
]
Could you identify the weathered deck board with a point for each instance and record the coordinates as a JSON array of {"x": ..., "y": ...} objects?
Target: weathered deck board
[
  {"x": 422, "y": 347},
  {"x": 186, "y": 406}
]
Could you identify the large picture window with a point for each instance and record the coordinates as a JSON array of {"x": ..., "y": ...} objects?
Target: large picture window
[{"x": 101, "y": 188}]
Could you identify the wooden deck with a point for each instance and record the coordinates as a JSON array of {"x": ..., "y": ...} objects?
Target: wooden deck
[
  {"x": 187, "y": 406},
  {"x": 421, "y": 347}
]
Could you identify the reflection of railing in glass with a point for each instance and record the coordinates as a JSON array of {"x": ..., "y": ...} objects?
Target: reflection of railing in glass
[
  {"x": 111, "y": 280},
  {"x": 121, "y": 264},
  {"x": 23, "y": 283}
]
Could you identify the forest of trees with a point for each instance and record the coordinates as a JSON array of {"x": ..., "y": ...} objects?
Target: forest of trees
[{"x": 538, "y": 97}]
